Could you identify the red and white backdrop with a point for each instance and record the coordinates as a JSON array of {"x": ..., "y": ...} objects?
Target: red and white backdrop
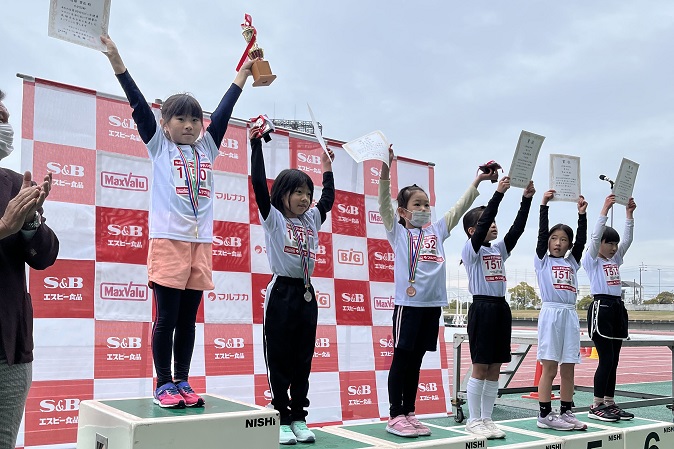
[{"x": 93, "y": 308}]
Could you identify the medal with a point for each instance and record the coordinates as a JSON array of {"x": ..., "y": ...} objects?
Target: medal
[
  {"x": 413, "y": 260},
  {"x": 307, "y": 295},
  {"x": 411, "y": 291}
]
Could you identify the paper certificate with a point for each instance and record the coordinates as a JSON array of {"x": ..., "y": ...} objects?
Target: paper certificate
[
  {"x": 317, "y": 131},
  {"x": 524, "y": 159},
  {"x": 79, "y": 21},
  {"x": 624, "y": 182},
  {"x": 565, "y": 177},
  {"x": 373, "y": 146}
]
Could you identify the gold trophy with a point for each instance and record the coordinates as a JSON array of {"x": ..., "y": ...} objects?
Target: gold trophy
[{"x": 262, "y": 75}]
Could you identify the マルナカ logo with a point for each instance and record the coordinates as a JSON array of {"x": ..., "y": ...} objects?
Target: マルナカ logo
[
  {"x": 386, "y": 342},
  {"x": 76, "y": 171},
  {"x": 322, "y": 342},
  {"x": 353, "y": 297},
  {"x": 125, "y": 123},
  {"x": 429, "y": 386},
  {"x": 384, "y": 257},
  {"x": 66, "y": 282},
  {"x": 359, "y": 390},
  {"x": 124, "y": 342},
  {"x": 123, "y": 181},
  {"x": 61, "y": 405},
  {"x": 128, "y": 231},
  {"x": 234, "y": 197},
  {"x": 127, "y": 292},
  {"x": 383, "y": 302},
  {"x": 213, "y": 296},
  {"x": 229, "y": 343},
  {"x": 231, "y": 241},
  {"x": 374, "y": 217},
  {"x": 348, "y": 209},
  {"x": 309, "y": 158},
  {"x": 350, "y": 257}
]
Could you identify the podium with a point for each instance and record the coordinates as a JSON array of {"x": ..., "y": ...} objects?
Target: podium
[{"x": 140, "y": 424}]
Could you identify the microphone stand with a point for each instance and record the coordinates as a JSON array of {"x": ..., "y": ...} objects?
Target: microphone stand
[{"x": 610, "y": 182}]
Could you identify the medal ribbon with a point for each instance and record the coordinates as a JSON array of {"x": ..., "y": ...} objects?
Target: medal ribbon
[
  {"x": 304, "y": 258},
  {"x": 414, "y": 253},
  {"x": 247, "y": 22},
  {"x": 192, "y": 179}
]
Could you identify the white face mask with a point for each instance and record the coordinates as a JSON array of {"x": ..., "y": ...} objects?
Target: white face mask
[
  {"x": 6, "y": 140},
  {"x": 419, "y": 218}
]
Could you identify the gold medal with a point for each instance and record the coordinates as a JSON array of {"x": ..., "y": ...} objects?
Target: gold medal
[
  {"x": 411, "y": 291},
  {"x": 307, "y": 295}
]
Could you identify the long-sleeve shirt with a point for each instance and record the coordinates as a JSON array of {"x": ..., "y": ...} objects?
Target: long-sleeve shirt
[{"x": 604, "y": 274}]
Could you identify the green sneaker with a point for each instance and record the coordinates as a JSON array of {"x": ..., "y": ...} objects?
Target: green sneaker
[
  {"x": 286, "y": 435},
  {"x": 302, "y": 432}
]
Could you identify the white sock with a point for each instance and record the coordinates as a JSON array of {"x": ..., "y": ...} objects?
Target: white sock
[
  {"x": 474, "y": 395},
  {"x": 489, "y": 398}
]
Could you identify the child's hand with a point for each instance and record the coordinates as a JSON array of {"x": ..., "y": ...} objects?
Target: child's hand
[
  {"x": 631, "y": 205},
  {"x": 325, "y": 159},
  {"x": 492, "y": 175},
  {"x": 503, "y": 184},
  {"x": 547, "y": 196},
  {"x": 582, "y": 204},
  {"x": 246, "y": 66},
  {"x": 390, "y": 155},
  {"x": 530, "y": 190},
  {"x": 113, "y": 55}
]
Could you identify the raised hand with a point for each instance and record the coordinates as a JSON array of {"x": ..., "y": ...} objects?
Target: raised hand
[
  {"x": 503, "y": 184},
  {"x": 547, "y": 196},
  {"x": 581, "y": 204},
  {"x": 530, "y": 190},
  {"x": 113, "y": 55}
]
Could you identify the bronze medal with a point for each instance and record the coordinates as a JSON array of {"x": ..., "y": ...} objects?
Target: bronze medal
[{"x": 411, "y": 291}]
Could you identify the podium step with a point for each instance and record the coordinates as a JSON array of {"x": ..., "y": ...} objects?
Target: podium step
[{"x": 140, "y": 424}]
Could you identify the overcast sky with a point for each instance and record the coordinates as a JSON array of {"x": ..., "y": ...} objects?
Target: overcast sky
[{"x": 449, "y": 82}]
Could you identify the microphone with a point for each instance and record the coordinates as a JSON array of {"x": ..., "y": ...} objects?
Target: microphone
[{"x": 605, "y": 178}]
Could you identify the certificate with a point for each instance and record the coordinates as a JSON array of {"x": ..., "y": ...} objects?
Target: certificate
[
  {"x": 524, "y": 159},
  {"x": 373, "y": 146},
  {"x": 565, "y": 177},
  {"x": 624, "y": 182},
  {"x": 80, "y": 22}
]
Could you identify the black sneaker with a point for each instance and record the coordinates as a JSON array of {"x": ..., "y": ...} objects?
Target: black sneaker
[
  {"x": 622, "y": 414},
  {"x": 603, "y": 412}
]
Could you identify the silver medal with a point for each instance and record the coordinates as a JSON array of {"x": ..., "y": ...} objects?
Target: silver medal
[{"x": 307, "y": 296}]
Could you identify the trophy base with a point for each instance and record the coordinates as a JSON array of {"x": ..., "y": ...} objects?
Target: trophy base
[{"x": 262, "y": 75}]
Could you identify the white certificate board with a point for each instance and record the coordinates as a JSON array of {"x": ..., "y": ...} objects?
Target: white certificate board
[
  {"x": 524, "y": 159},
  {"x": 79, "y": 22},
  {"x": 624, "y": 182},
  {"x": 373, "y": 146},
  {"x": 565, "y": 177}
]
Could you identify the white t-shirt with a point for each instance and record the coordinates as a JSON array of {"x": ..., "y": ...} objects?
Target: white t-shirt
[
  {"x": 171, "y": 213},
  {"x": 282, "y": 249},
  {"x": 430, "y": 280},
  {"x": 557, "y": 278},
  {"x": 486, "y": 269},
  {"x": 604, "y": 274}
]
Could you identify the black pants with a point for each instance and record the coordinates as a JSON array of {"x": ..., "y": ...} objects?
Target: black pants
[
  {"x": 289, "y": 342},
  {"x": 608, "y": 351},
  {"x": 403, "y": 380},
  {"x": 610, "y": 320},
  {"x": 173, "y": 331}
]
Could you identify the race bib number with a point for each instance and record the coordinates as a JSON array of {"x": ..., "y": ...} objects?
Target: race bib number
[
  {"x": 493, "y": 268},
  {"x": 428, "y": 252},
  {"x": 180, "y": 178},
  {"x": 611, "y": 274},
  {"x": 563, "y": 278}
]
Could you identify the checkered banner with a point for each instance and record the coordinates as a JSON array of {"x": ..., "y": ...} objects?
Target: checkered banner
[{"x": 93, "y": 308}]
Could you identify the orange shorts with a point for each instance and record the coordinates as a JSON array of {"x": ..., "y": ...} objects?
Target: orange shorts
[{"x": 180, "y": 265}]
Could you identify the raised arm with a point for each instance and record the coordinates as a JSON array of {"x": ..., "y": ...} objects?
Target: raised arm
[
  {"x": 384, "y": 197},
  {"x": 581, "y": 231},
  {"x": 517, "y": 228},
  {"x": 485, "y": 221},
  {"x": 327, "y": 199},
  {"x": 142, "y": 113},
  {"x": 628, "y": 233},
  {"x": 258, "y": 177},
  {"x": 454, "y": 214}
]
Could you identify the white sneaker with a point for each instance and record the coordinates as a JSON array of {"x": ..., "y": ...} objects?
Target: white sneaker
[
  {"x": 496, "y": 433},
  {"x": 302, "y": 432},
  {"x": 554, "y": 422},
  {"x": 286, "y": 435},
  {"x": 477, "y": 427},
  {"x": 569, "y": 417}
]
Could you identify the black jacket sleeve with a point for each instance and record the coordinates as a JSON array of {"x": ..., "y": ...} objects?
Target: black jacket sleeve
[
  {"x": 142, "y": 112},
  {"x": 543, "y": 232},
  {"x": 516, "y": 230},
  {"x": 485, "y": 221},
  {"x": 258, "y": 178},
  {"x": 220, "y": 117},
  {"x": 581, "y": 238},
  {"x": 328, "y": 196}
]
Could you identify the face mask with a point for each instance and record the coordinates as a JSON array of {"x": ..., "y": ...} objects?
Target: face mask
[
  {"x": 6, "y": 139},
  {"x": 419, "y": 218}
]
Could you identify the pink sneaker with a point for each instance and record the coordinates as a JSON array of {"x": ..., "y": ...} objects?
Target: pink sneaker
[
  {"x": 422, "y": 429},
  {"x": 167, "y": 396},
  {"x": 191, "y": 398},
  {"x": 401, "y": 427}
]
